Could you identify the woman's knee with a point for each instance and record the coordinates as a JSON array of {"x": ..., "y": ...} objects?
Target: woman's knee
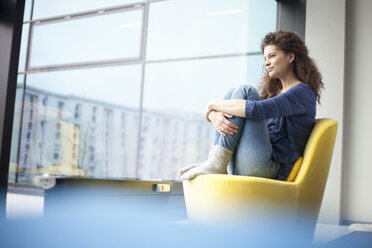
[
  {"x": 229, "y": 94},
  {"x": 245, "y": 91}
]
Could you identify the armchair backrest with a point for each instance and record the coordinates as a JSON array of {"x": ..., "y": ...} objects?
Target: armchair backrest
[{"x": 312, "y": 176}]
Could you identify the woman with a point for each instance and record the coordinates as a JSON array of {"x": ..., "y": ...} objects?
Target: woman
[{"x": 264, "y": 136}]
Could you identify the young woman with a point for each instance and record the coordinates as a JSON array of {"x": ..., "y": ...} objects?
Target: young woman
[{"x": 264, "y": 135}]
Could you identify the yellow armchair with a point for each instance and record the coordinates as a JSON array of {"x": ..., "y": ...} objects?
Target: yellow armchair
[{"x": 215, "y": 197}]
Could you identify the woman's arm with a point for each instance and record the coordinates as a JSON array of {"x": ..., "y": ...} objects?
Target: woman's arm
[
  {"x": 296, "y": 100},
  {"x": 235, "y": 107}
]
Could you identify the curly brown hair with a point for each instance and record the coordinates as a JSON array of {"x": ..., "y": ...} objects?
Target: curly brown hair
[{"x": 303, "y": 66}]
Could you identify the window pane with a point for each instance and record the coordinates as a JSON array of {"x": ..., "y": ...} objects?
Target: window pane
[
  {"x": 174, "y": 132},
  {"x": 103, "y": 37},
  {"x": 72, "y": 123},
  {"x": 188, "y": 28},
  {"x": 170, "y": 86},
  {"x": 23, "y": 50},
  {"x": 27, "y": 13},
  {"x": 48, "y": 8},
  {"x": 13, "y": 165}
]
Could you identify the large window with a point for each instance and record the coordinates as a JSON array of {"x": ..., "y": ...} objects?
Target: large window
[{"x": 117, "y": 89}]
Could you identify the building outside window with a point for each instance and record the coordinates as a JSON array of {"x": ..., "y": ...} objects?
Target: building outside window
[
  {"x": 77, "y": 111},
  {"x": 134, "y": 107},
  {"x": 56, "y": 152}
]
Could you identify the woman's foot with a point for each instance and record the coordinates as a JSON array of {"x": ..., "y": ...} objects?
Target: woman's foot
[
  {"x": 189, "y": 167},
  {"x": 216, "y": 163}
]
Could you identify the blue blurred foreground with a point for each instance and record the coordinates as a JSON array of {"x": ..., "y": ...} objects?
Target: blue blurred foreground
[{"x": 107, "y": 222}]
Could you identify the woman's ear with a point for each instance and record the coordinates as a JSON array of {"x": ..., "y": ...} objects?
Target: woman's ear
[{"x": 291, "y": 57}]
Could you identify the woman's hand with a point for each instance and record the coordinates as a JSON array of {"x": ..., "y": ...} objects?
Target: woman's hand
[{"x": 220, "y": 122}]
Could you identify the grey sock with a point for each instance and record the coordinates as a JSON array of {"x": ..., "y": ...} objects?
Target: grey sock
[{"x": 216, "y": 164}]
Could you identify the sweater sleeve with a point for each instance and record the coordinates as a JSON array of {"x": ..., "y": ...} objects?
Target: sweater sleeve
[{"x": 291, "y": 102}]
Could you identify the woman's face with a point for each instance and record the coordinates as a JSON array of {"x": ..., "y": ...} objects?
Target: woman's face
[{"x": 277, "y": 63}]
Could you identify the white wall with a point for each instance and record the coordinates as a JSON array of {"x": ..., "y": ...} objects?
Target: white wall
[
  {"x": 357, "y": 195},
  {"x": 339, "y": 37},
  {"x": 325, "y": 39}
]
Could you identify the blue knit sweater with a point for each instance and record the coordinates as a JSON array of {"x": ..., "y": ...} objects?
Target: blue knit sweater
[{"x": 290, "y": 119}]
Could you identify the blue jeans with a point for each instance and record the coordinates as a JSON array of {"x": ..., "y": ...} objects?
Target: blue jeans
[{"x": 251, "y": 144}]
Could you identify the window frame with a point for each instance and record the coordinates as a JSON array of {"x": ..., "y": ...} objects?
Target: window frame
[{"x": 144, "y": 5}]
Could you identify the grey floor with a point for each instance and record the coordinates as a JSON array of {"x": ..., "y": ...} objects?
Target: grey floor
[{"x": 325, "y": 233}]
